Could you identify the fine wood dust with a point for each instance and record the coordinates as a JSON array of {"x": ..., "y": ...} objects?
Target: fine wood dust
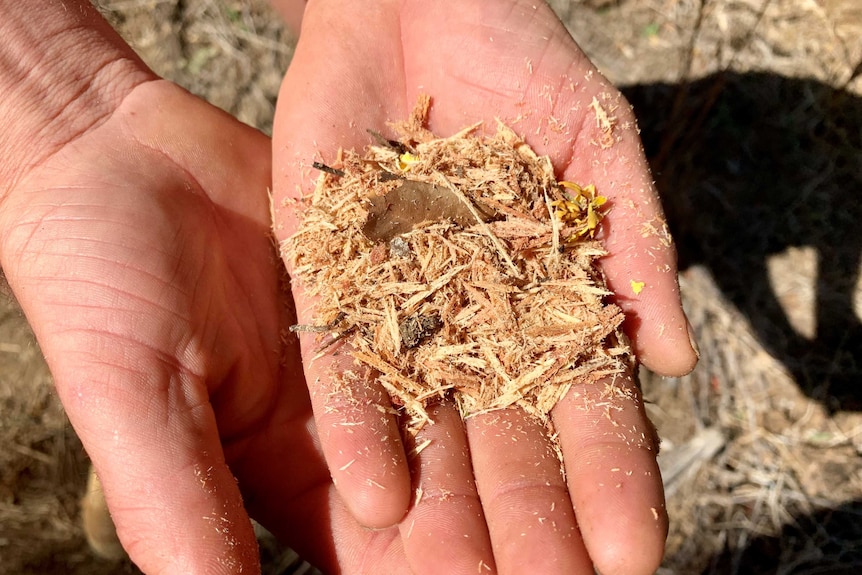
[{"x": 458, "y": 267}]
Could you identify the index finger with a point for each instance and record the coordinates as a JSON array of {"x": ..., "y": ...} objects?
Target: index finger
[{"x": 324, "y": 110}]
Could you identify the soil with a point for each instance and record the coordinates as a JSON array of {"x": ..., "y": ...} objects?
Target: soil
[{"x": 751, "y": 114}]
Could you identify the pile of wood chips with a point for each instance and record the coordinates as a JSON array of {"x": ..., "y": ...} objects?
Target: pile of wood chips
[{"x": 458, "y": 267}]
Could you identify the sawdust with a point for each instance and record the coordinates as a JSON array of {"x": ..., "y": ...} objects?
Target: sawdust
[
  {"x": 458, "y": 267},
  {"x": 605, "y": 124}
]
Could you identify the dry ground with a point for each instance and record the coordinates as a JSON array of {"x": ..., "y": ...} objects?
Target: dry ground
[{"x": 751, "y": 113}]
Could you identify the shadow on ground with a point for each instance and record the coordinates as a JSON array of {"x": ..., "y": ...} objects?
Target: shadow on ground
[
  {"x": 828, "y": 542},
  {"x": 748, "y": 166}
]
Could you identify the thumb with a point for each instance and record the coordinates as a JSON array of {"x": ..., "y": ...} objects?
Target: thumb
[
  {"x": 175, "y": 503},
  {"x": 96, "y": 247}
]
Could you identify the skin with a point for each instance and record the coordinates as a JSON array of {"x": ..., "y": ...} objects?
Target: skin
[
  {"x": 480, "y": 61},
  {"x": 134, "y": 225}
]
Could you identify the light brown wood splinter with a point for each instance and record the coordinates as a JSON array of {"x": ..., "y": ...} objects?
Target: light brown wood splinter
[{"x": 505, "y": 308}]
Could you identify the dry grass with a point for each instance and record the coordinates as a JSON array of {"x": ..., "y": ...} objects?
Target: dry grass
[
  {"x": 756, "y": 144},
  {"x": 231, "y": 52}
]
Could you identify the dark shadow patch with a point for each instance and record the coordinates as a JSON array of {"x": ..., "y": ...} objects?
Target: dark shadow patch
[
  {"x": 749, "y": 165},
  {"x": 827, "y": 542}
]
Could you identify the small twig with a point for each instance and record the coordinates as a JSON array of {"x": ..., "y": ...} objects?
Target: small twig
[
  {"x": 385, "y": 176},
  {"x": 302, "y": 328},
  {"x": 387, "y": 143},
  {"x": 329, "y": 170},
  {"x": 555, "y": 227}
]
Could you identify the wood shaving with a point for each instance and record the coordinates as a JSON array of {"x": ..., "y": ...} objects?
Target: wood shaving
[
  {"x": 501, "y": 310},
  {"x": 605, "y": 123}
]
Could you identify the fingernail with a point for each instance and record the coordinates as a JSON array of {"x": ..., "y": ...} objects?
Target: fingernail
[{"x": 692, "y": 339}]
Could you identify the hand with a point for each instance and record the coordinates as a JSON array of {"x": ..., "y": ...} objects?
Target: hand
[
  {"x": 361, "y": 65},
  {"x": 140, "y": 254},
  {"x": 135, "y": 233}
]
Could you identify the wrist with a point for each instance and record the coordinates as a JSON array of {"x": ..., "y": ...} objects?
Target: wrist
[{"x": 63, "y": 71}]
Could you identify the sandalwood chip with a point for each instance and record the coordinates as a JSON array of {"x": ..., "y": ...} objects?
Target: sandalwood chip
[{"x": 471, "y": 276}]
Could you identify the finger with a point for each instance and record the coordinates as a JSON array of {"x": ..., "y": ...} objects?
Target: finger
[
  {"x": 360, "y": 439},
  {"x": 641, "y": 264},
  {"x": 358, "y": 432},
  {"x": 173, "y": 499},
  {"x": 288, "y": 488},
  {"x": 548, "y": 91},
  {"x": 328, "y": 535},
  {"x": 524, "y": 496},
  {"x": 610, "y": 451},
  {"x": 445, "y": 531}
]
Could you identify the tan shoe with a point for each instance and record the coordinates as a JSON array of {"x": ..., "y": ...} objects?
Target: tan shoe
[{"x": 98, "y": 525}]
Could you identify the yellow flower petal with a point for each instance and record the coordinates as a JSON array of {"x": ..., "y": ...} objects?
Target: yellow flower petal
[
  {"x": 637, "y": 287},
  {"x": 406, "y": 160}
]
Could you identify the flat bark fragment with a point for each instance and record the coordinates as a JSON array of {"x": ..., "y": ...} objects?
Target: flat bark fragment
[{"x": 412, "y": 203}]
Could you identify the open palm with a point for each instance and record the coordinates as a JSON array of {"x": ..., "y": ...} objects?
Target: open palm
[
  {"x": 142, "y": 256},
  {"x": 141, "y": 253},
  {"x": 492, "y": 495}
]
